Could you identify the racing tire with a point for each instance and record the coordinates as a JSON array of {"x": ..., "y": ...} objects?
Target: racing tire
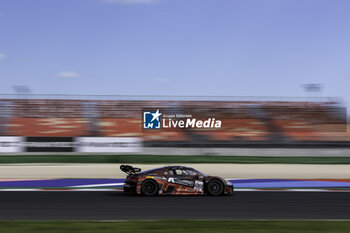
[
  {"x": 149, "y": 187},
  {"x": 215, "y": 188}
]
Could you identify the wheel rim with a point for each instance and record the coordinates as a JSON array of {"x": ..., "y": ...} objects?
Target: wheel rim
[
  {"x": 149, "y": 187},
  {"x": 215, "y": 187}
]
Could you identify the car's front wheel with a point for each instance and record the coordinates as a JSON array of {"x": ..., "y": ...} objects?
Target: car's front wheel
[
  {"x": 149, "y": 187},
  {"x": 215, "y": 187}
]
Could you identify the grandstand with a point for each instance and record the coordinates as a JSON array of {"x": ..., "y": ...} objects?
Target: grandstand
[{"x": 243, "y": 121}]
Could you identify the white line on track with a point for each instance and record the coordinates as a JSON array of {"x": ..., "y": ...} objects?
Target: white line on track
[
  {"x": 60, "y": 190},
  {"x": 291, "y": 190},
  {"x": 119, "y": 190},
  {"x": 96, "y": 185}
]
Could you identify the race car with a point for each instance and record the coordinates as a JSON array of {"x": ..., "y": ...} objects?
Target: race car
[{"x": 173, "y": 180}]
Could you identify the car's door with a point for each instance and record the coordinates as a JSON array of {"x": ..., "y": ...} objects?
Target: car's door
[{"x": 187, "y": 178}]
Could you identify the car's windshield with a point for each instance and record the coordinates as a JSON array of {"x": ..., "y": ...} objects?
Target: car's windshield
[
  {"x": 188, "y": 171},
  {"x": 199, "y": 173}
]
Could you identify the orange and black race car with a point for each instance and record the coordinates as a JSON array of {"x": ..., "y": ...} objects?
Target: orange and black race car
[{"x": 173, "y": 180}]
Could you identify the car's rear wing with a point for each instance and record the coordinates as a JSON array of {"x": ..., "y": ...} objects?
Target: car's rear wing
[{"x": 129, "y": 169}]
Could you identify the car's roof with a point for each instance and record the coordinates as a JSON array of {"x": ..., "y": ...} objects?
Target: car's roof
[
  {"x": 166, "y": 167},
  {"x": 178, "y": 167}
]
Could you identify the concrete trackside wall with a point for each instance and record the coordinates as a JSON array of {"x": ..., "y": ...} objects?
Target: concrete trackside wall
[
  {"x": 278, "y": 152},
  {"x": 132, "y": 145},
  {"x": 166, "y": 151}
]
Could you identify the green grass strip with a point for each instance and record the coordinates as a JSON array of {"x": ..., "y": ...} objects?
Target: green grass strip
[
  {"x": 177, "y": 226},
  {"x": 166, "y": 159}
]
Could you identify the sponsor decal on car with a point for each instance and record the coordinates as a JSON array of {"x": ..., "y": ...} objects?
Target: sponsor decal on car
[
  {"x": 198, "y": 185},
  {"x": 189, "y": 183}
]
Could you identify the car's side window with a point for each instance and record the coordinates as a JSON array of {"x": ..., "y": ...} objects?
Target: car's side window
[
  {"x": 185, "y": 172},
  {"x": 190, "y": 172},
  {"x": 179, "y": 172}
]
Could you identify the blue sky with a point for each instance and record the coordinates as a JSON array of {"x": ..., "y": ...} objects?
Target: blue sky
[{"x": 175, "y": 47}]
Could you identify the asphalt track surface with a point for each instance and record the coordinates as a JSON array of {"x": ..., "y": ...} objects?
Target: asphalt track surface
[{"x": 120, "y": 206}]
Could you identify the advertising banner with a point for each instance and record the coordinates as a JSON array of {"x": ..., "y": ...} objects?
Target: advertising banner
[
  {"x": 11, "y": 144},
  {"x": 108, "y": 144},
  {"x": 49, "y": 144}
]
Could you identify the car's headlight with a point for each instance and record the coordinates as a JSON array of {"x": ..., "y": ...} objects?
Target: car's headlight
[{"x": 228, "y": 182}]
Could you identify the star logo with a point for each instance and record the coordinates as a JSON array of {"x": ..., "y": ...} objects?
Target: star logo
[
  {"x": 151, "y": 119},
  {"x": 156, "y": 115}
]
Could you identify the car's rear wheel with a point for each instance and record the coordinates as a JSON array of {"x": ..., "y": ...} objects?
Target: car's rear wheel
[
  {"x": 215, "y": 187},
  {"x": 149, "y": 187}
]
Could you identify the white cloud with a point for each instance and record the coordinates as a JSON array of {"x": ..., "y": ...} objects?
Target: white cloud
[
  {"x": 129, "y": 1},
  {"x": 68, "y": 74},
  {"x": 2, "y": 56}
]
